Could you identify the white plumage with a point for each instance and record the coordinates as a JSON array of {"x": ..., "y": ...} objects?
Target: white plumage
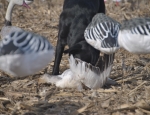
[
  {"x": 102, "y": 33},
  {"x": 89, "y": 75},
  {"x": 24, "y": 53},
  {"x": 134, "y": 35},
  {"x": 80, "y": 73},
  {"x": 66, "y": 80}
]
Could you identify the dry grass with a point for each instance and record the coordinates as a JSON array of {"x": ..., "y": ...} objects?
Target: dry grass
[{"x": 25, "y": 96}]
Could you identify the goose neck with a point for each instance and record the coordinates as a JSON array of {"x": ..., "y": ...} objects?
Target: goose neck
[{"x": 9, "y": 14}]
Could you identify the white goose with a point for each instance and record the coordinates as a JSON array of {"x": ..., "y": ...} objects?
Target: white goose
[
  {"x": 8, "y": 28},
  {"x": 102, "y": 33},
  {"x": 80, "y": 73},
  {"x": 22, "y": 53},
  {"x": 134, "y": 35}
]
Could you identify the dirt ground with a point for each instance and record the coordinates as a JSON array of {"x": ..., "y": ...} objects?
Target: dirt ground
[{"x": 132, "y": 72}]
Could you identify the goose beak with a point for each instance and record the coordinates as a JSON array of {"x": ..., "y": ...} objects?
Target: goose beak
[
  {"x": 25, "y": 5},
  {"x": 117, "y": 3},
  {"x": 27, "y": 2}
]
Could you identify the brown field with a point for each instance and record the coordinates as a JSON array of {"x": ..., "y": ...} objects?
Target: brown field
[{"x": 132, "y": 72}]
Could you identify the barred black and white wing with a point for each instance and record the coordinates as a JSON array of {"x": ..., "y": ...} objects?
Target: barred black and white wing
[
  {"x": 134, "y": 35},
  {"x": 22, "y": 42},
  {"x": 24, "y": 53},
  {"x": 89, "y": 75},
  {"x": 102, "y": 33},
  {"x": 137, "y": 26}
]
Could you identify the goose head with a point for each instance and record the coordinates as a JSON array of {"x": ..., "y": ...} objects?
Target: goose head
[
  {"x": 12, "y": 3},
  {"x": 21, "y": 2}
]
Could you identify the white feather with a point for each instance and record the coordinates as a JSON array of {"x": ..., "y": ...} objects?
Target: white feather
[
  {"x": 78, "y": 74},
  {"x": 89, "y": 75},
  {"x": 66, "y": 80}
]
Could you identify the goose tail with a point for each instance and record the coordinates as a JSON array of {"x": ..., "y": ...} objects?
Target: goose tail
[{"x": 91, "y": 76}]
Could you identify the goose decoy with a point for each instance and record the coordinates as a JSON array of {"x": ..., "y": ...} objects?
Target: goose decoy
[
  {"x": 134, "y": 35},
  {"x": 102, "y": 33},
  {"x": 24, "y": 53},
  {"x": 8, "y": 28},
  {"x": 80, "y": 73}
]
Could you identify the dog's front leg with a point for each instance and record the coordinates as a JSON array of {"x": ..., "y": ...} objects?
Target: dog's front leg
[
  {"x": 61, "y": 42},
  {"x": 58, "y": 56},
  {"x": 101, "y": 6}
]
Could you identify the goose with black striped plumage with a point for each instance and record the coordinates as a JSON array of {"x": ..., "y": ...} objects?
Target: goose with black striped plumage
[
  {"x": 102, "y": 33},
  {"x": 134, "y": 35},
  {"x": 24, "y": 53}
]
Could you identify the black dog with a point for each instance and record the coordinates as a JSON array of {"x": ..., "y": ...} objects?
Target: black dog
[{"x": 74, "y": 19}]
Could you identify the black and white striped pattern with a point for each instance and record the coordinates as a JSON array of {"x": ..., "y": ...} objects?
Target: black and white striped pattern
[
  {"x": 24, "y": 53},
  {"x": 23, "y": 42},
  {"x": 134, "y": 35},
  {"x": 89, "y": 75},
  {"x": 139, "y": 26},
  {"x": 102, "y": 33}
]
